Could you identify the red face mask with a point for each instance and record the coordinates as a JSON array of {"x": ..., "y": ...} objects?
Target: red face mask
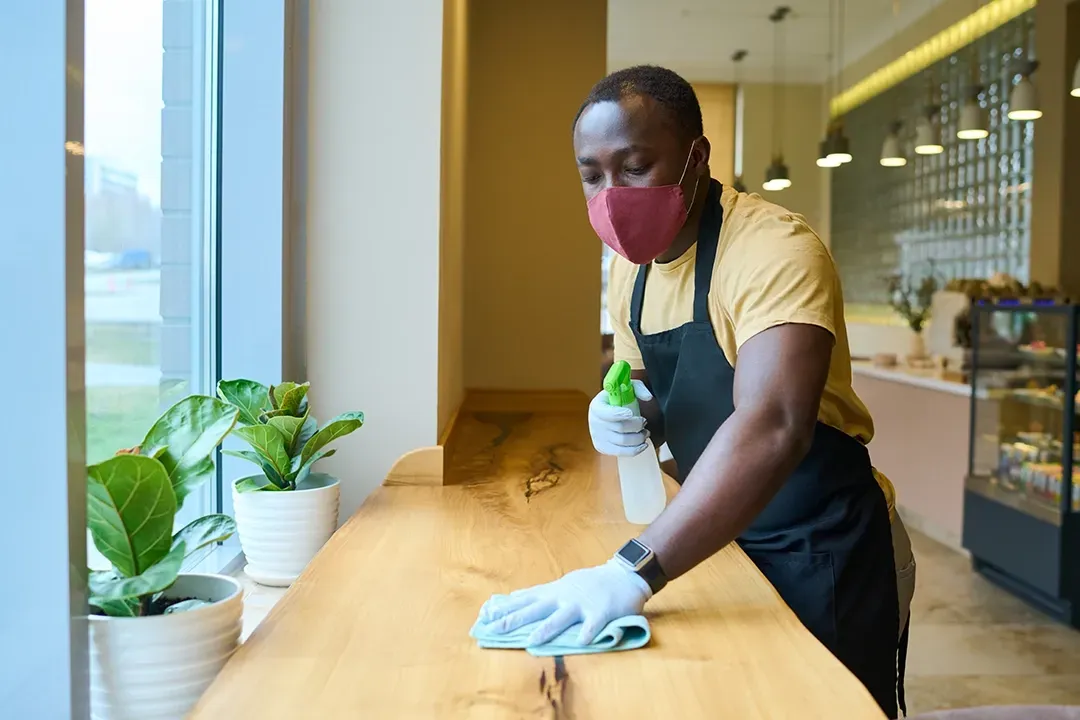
[{"x": 640, "y": 223}]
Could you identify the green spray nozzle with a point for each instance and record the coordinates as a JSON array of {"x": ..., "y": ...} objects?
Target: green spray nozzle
[{"x": 618, "y": 386}]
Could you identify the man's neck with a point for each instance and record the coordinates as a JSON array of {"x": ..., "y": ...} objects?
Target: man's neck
[{"x": 689, "y": 233}]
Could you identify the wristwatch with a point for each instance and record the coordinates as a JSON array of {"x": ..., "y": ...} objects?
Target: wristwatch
[{"x": 640, "y": 558}]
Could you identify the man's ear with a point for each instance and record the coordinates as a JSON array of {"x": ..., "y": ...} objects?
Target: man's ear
[{"x": 701, "y": 154}]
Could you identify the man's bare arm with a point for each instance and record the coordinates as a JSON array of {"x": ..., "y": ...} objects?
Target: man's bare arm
[{"x": 779, "y": 377}]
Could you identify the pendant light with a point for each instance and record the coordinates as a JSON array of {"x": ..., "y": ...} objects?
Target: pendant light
[
  {"x": 891, "y": 154},
  {"x": 1075, "y": 92},
  {"x": 1024, "y": 99},
  {"x": 838, "y": 146},
  {"x": 737, "y": 57},
  {"x": 823, "y": 160},
  {"x": 776, "y": 175},
  {"x": 927, "y": 135},
  {"x": 927, "y": 132},
  {"x": 972, "y": 117},
  {"x": 972, "y": 125}
]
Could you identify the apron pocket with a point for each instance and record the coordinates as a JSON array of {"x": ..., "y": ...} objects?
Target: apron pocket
[{"x": 806, "y": 584}]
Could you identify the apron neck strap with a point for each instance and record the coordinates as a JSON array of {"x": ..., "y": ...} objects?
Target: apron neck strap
[{"x": 712, "y": 218}]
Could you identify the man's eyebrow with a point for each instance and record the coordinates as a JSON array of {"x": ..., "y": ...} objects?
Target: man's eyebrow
[{"x": 625, "y": 150}]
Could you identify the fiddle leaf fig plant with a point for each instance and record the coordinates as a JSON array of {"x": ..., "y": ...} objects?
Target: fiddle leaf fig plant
[
  {"x": 285, "y": 439},
  {"x": 132, "y": 500}
]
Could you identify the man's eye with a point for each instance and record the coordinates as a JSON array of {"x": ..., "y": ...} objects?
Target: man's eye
[
  {"x": 637, "y": 170},
  {"x": 590, "y": 179}
]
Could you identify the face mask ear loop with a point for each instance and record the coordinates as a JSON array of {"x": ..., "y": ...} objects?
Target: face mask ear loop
[{"x": 683, "y": 177}]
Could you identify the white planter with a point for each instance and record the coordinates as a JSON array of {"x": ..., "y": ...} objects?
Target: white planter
[
  {"x": 281, "y": 532},
  {"x": 155, "y": 668}
]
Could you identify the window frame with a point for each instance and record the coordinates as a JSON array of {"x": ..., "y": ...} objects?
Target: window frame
[{"x": 41, "y": 199}]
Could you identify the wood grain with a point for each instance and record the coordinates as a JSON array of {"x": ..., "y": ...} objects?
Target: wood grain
[{"x": 377, "y": 625}]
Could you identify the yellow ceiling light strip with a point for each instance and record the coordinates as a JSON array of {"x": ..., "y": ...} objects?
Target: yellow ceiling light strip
[{"x": 984, "y": 20}]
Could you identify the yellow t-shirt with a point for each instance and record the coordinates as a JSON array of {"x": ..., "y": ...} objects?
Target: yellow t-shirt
[{"x": 771, "y": 269}]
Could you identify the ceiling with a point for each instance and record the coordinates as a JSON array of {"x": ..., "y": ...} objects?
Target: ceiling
[{"x": 696, "y": 38}]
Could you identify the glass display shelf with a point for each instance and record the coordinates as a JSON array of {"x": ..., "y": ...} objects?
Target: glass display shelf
[{"x": 1022, "y": 489}]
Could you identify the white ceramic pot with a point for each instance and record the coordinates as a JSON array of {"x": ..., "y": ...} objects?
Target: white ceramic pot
[
  {"x": 281, "y": 532},
  {"x": 156, "y": 668}
]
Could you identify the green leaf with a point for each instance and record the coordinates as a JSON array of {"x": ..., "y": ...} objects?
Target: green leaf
[
  {"x": 340, "y": 426},
  {"x": 185, "y": 605},
  {"x": 278, "y": 393},
  {"x": 264, "y": 464},
  {"x": 307, "y": 431},
  {"x": 305, "y": 469},
  {"x": 249, "y": 397},
  {"x": 207, "y": 530},
  {"x": 273, "y": 398},
  {"x": 289, "y": 427},
  {"x": 265, "y": 417},
  {"x": 130, "y": 511},
  {"x": 291, "y": 401},
  {"x": 108, "y": 587},
  {"x": 254, "y": 484},
  {"x": 190, "y": 430},
  {"x": 268, "y": 443},
  {"x": 117, "y": 608}
]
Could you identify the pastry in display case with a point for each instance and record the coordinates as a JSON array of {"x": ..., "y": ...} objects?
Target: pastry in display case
[{"x": 1022, "y": 492}]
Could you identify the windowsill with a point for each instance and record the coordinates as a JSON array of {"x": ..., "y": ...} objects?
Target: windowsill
[{"x": 259, "y": 600}]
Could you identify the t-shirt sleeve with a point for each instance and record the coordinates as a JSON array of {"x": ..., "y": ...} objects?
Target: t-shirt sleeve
[
  {"x": 776, "y": 271},
  {"x": 618, "y": 304}
]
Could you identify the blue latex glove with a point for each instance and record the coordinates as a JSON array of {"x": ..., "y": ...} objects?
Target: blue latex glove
[
  {"x": 593, "y": 597},
  {"x": 617, "y": 430}
]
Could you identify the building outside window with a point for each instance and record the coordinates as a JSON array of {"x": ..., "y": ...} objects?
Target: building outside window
[{"x": 149, "y": 279}]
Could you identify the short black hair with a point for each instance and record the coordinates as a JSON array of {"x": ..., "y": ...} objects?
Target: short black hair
[{"x": 664, "y": 86}]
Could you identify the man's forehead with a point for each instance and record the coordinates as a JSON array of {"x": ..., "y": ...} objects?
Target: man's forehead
[{"x": 634, "y": 117}]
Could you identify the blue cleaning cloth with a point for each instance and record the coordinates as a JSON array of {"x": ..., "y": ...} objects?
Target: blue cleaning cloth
[{"x": 626, "y": 633}]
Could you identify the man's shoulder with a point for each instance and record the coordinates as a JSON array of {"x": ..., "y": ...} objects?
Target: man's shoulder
[{"x": 757, "y": 228}]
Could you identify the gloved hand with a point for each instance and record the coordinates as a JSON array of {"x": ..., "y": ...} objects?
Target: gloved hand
[
  {"x": 593, "y": 596},
  {"x": 616, "y": 430}
]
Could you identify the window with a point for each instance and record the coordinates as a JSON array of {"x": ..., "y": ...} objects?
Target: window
[{"x": 149, "y": 278}]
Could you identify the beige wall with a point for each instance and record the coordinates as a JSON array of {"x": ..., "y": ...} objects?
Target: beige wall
[
  {"x": 1070, "y": 202},
  {"x": 718, "y": 116},
  {"x": 531, "y": 261},
  {"x": 1047, "y": 183},
  {"x": 372, "y": 284},
  {"x": 800, "y": 137},
  {"x": 452, "y": 231}
]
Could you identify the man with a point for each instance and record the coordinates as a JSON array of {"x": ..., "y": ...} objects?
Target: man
[{"x": 729, "y": 310}]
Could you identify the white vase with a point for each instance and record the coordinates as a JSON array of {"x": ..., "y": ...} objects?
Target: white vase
[
  {"x": 157, "y": 667},
  {"x": 280, "y": 532}
]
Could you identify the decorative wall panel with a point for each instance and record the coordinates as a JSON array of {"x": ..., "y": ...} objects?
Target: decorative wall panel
[{"x": 964, "y": 212}]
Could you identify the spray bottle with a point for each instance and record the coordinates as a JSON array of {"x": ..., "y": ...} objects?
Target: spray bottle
[{"x": 642, "y": 484}]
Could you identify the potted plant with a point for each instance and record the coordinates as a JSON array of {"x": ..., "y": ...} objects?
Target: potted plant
[
  {"x": 286, "y": 512},
  {"x": 158, "y": 636},
  {"x": 912, "y": 302}
]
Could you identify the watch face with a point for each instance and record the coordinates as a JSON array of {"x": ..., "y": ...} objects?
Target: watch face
[{"x": 633, "y": 553}]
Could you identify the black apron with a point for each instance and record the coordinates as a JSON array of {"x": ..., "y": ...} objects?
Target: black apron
[{"x": 824, "y": 541}]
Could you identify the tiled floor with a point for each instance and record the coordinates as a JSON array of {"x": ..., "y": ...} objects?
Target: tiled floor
[
  {"x": 971, "y": 642},
  {"x": 975, "y": 644}
]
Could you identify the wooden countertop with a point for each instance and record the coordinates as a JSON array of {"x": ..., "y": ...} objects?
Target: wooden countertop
[{"x": 377, "y": 627}]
